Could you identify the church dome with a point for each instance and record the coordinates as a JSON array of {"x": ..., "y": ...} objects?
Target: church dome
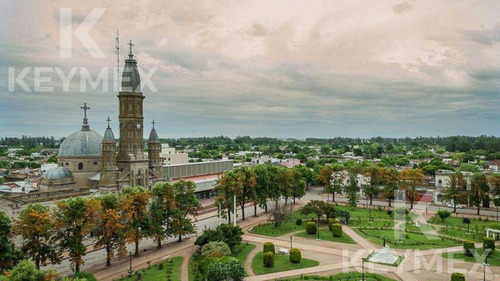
[
  {"x": 82, "y": 143},
  {"x": 153, "y": 136},
  {"x": 108, "y": 135},
  {"x": 57, "y": 173},
  {"x": 131, "y": 80}
]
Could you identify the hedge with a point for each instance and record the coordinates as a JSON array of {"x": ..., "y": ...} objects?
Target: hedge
[
  {"x": 269, "y": 247},
  {"x": 489, "y": 243},
  {"x": 469, "y": 248},
  {"x": 311, "y": 227},
  {"x": 330, "y": 224},
  {"x": 268, "y": 259},
  {"x": 298, "y": 221},
  {"x": 457, "y": 277},
  {"x": 295, "y": 255},
  {"x": 337, "y": 229}
]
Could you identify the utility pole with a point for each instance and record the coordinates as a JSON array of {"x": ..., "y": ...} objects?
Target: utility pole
[{"x": 235, "y": 215}]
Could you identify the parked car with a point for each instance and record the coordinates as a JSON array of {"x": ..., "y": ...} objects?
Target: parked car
[{"x": 450, "y": 205}]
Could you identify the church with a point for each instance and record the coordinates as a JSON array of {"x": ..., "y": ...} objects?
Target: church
[{"x": 86, "y": 159}]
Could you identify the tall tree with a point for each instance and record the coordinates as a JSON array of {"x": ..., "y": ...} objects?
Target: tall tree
[
  {"x": 9, "y": 255},
  {"x": 337, "y": 179},
  {"x": 494, "y": 180},
  {"x": 36, "y": 228},
  {"x": 409, "y": 180},
  {"x": 456, "y": 189},
  {"x": 325, "y": 177},
  {"x": 306, "y": 174},
  {"x": 227, "y": 189},
  {"x": 110, "y": 227},
  {"x": 262, "y": 182},
  {"x": 160, "y": 211},
  {"x": 297, "y": 184},
  {"x": 374, "y": 175},
  {"x": 479, "y": 189},
  {"x": 73, "y": 221},
  {"x": 351, "y": 189},
  {"x": 135, "y": 206},
  {"x": 186, "y": 206},
  {"x": 246, "y": 182},
  {"x": 390, "y": 182}
]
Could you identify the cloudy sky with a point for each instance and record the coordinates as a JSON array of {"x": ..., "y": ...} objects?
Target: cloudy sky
[{"x": 261, "y": 68}]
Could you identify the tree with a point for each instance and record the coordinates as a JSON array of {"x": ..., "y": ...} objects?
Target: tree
[
  {"x": 227, "y": 233},
  {"x": 316, "y": 207},
  {"x": 186, "y": 204},
  {"x": 306, "y": 173},
  {"x": 226, "y": 268},
  {"x": 262, "y": 182},
  {"x": 110, "y": 227},
  {"x": 246, "y": 182},
  {"x": 160, "y": 211},
  {"x": 297, "y": 184},
  {"x": 215, "y": 249},
  {"x": 495, "y": 184},
  {"x": 443, "y": 214},
  {"x": 325, "y": 177},
  {"x": 27, "y": 271},
  {"x": 390, "y": 181},
  {"x": 479, "y": 189},
  {"x": 409, "y": 180},
  {"x": 227, "y": 189},
  {"x": 73, "y": 221},
  {"x": 278, "y": 213},
  {"x": 371, "y": 190},
  {"x": 9, "y": 255},
  {"x": 36, "y": 228},
  {"x": 456, "y": 189},
  {"x": 351, "y": 189},
  {"x": 337, "y": 179},
  {"x": 135, "y": 206}
]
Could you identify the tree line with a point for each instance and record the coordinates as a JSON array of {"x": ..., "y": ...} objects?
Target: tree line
[{"x": 110, "y": 221}]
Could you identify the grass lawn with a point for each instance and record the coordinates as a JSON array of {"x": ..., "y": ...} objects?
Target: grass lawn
[
  {"x": 493, "y": 259},
  {"x": 343, "y": 276},
  {"x": 457, "y": 222},
  {"x": 154, "y": 274},
  {"x": 413, "y": 240},
  {"x": 268, "y": 229},
  {"x": 281, "y": 263},
  {"x": 241, "y": 251},
  {"x": 462, "y": 233},
  {"x": 326, "y": 234}
]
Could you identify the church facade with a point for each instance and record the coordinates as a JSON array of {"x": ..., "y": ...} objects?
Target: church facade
[{"x": 88, "y": 160}]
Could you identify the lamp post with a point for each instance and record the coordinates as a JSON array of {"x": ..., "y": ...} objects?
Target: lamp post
[
  {"x": 369, "y": 215},
  {"x": 291, "y": 241},
  {"x": 318, "y": 230},
  {"x": 363, "y": 269},
  {"x": 235, "y": 214},
  {"x": 400, "y": 238},
  {"x": 130, "y": 268}
]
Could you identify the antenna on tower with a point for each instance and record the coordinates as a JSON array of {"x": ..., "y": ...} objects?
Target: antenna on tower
[{"x": 117, "y": 52}]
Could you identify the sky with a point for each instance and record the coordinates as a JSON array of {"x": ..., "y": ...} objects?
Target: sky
[{"x": 259, "y": 68}]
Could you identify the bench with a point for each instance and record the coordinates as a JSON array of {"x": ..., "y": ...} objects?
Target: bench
[{"x": 283, "y": 251}]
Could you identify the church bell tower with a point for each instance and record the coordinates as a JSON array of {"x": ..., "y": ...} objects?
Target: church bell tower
[{"x": 130, "y": 159}]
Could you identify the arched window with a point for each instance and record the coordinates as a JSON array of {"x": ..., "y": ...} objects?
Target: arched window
[
  {"x": 80, "y": 166},
  {"x": 95, "y": 163}
]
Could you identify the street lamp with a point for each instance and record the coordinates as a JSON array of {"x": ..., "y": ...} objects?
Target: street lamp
[
  {"x": 400, "y": 241},
  {"x": 130, "y": 268},
  {"x": 291, "y": 241},
  {"x": 370, "y": 216},
  {"x": 363, "y": 269},
  {"x": 318, "y": 230}
]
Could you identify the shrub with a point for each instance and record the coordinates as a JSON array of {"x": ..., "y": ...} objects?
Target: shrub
[
  {"x": 389, "y": 213},
  {"x": 269, "y": 247},
  {"x": 337, "y": 229},
  {"x": 85, "y": 275},
  {"x": 469, "y": 248},
  {"x": 268, "y": 259},
  {"x": 311, "y": 227},
  {"x": 295, "y": 255},
  {"x": 457, "y": 277},
  {"x": 227, "y": 268},
  {"x": 229, "y": 234},
  {"x": 215, "y": 249},
  {"x": 330, "y": 223},
  {"x": 160, "y": 266},
  {"x": 443, "y": 214},
  {"x": 489, "y": 243},
  {"x": 298, "y": 221}
]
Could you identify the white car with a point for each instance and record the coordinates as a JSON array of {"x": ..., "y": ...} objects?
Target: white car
[{"x": 450, "y": 205}]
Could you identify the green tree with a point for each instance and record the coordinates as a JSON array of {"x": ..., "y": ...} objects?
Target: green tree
[
  {"x": 160, "y": 211},
  {"x": 186, "y": 204},
  {"x": 226, "y": 268},
  {"x": 390, "y": 181},
  {"x": 74, "y": 220},
  {"x": 9, "y": 255},
  {"x": 443, "y": 214},
  {"x": 36, "y": 228},
  {"x": 479, "y": 189},
  {"x": 135, "y": 206},
  {"x": 262, "y": 182},
  {"x": 375, "y": 175},
  {"x": 246, "y": 182},
  {"x": 456, "y": 189},
  {"x": 325, "y": 177},
  {"x": 306, "y": 173},
  {"x": 316, "y": 207},
  {"x": 351, "y": 189},
  {"x": 409, "y": 180},
  {"x": 27, "y": 271}
]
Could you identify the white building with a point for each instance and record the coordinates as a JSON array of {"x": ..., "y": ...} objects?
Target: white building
[{"x": 168, "y": 156}]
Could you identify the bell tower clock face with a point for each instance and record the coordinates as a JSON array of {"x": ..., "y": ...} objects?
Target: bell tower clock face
[{"x": 138, "y": 125}]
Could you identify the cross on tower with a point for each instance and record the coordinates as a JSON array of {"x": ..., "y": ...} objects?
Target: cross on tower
[
  {"x": 85, "y": 108},
  {"x": 153, "y": 123},
  {"x": 109, "y": 120},
  {"x": 131, "y": 45}
]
